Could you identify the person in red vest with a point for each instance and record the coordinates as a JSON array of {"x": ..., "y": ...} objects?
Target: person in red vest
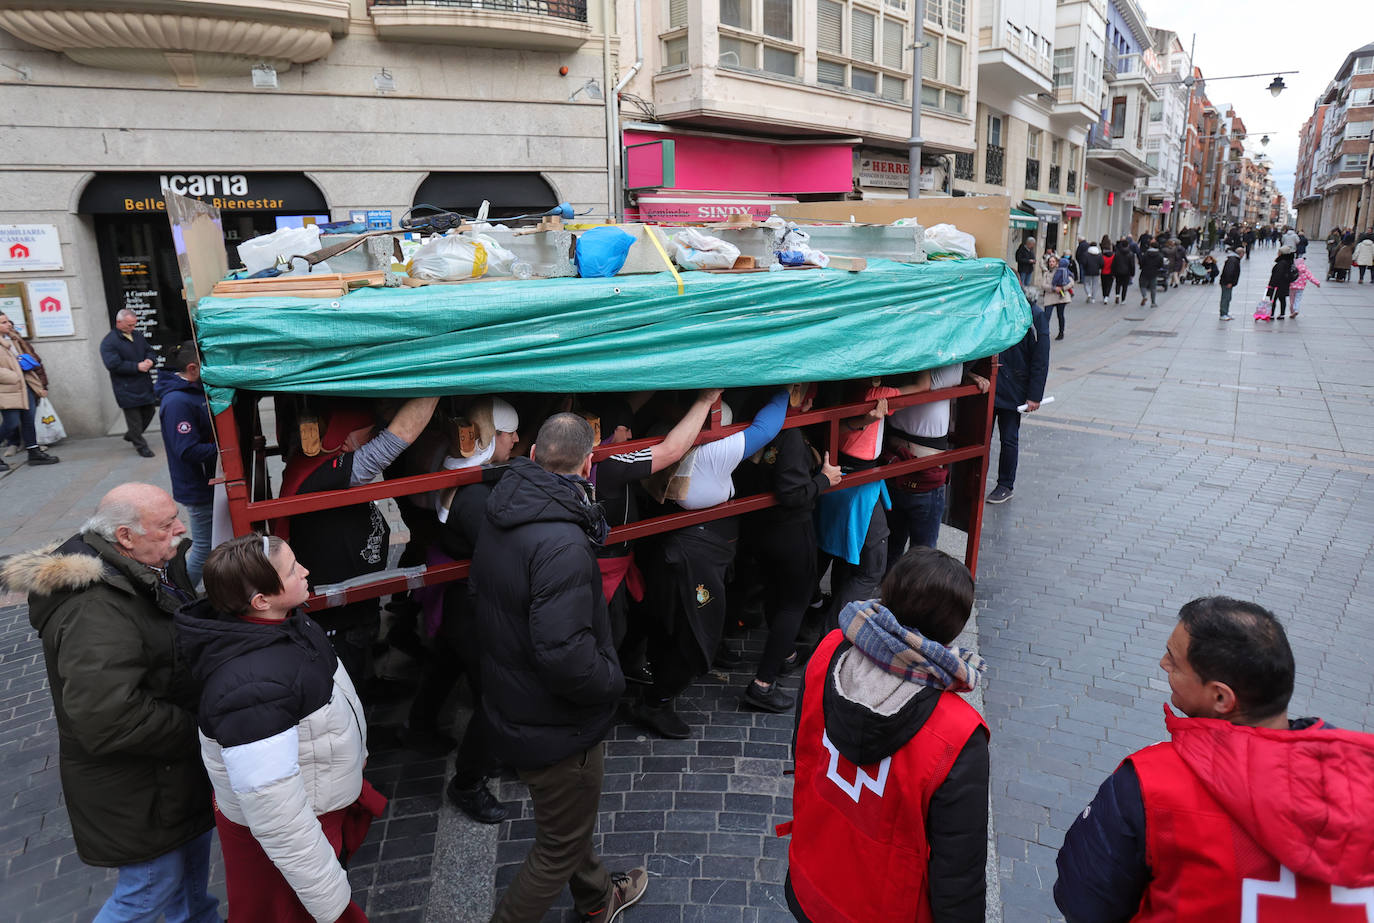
[
  {"x": 1243, "y": 814},
  {"x": 890, "y": 802}
]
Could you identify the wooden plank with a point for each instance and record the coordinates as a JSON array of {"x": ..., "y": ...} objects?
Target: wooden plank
[
  {"x": 848, "y": 263},
  {"x": 290, "y": 293},
  {"x": 745, "y": 262}
]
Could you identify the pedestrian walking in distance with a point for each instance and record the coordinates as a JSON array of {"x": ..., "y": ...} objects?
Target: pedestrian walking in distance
[
  {"x": 890, "y": 802},
  {"x": 1230, "y": 276},
  {"x": 1123, "y": 269},
  {"x": 22, "y": 382},
  {"x": 1021, "y": 376},
  {"x": 1299, "y": 285},
  {"x": 1058, "y": 292},
  {"x": 1282, "y": 275},
  {"x": 1091, "y": 265},
  {"x": 129, "y": 359},
  {"x": 1151, "y": 267}
]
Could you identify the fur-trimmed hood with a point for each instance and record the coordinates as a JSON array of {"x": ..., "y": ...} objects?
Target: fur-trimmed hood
[{"x": 53, "y": 569}]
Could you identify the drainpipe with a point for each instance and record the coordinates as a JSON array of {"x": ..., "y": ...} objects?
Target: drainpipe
[{"x": 614, "y": 145}]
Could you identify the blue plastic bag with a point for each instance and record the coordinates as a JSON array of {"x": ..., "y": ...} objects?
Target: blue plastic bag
[{"x": 601, "y": 252}]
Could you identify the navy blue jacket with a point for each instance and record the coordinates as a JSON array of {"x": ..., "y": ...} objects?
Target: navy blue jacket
[
  {"x": 132, "y": 388},
  {"x": 188, "y": 437},
  {"x": 1023, "y": 368}
]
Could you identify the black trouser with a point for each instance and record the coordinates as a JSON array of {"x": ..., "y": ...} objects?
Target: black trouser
[
  {"x": 1106, "y": 286},
  {"x": 1049, "y": 313},
  {"x": 136, "y": 420},
  {"x": 1280, "y": 302},
  {"x": 786, "y": 553},
  {"x": 1363, "y": 267},
  {"x": 687, "y": 592},
  {"x": 1123, "y": 285},
  {"x": 851, "y": 582}
]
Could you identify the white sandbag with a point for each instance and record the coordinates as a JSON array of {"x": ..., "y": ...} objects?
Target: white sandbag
[
  {"x": 945, "y": 241},
  {"x": 695, "y": 250},
  {"x": 460, "y": 256}
]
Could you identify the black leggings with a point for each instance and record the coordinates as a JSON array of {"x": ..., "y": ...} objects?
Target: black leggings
[
  {"x": 786, "y": 554},
  {"x": 1049, "y": 312},
  {"x": 1280, "y": 303}
]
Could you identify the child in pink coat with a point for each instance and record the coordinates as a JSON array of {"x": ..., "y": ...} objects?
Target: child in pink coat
[{"x": 1295, "y": 289}]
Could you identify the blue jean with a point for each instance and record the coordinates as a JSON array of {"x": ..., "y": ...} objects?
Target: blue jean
[
  {"x": 202, "y": 521},
  {"x": 1025, "y": 278},
  {"x": 1009, "y": 430},
  {"x": 174, "y": 884},
  {"x": 19, "y": 425},
  {"x": 915, "y": 515}
]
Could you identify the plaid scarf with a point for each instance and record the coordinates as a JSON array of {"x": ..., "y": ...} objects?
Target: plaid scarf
[{"x": 905, "y": 652}]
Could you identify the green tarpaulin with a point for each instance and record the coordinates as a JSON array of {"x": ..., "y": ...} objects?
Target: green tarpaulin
[{"x": 620, "y": 334}]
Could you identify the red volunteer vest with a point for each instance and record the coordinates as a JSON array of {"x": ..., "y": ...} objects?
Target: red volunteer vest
[
  {"x": 1206, "y": 869},
  {"x": 859, "y": 852}
]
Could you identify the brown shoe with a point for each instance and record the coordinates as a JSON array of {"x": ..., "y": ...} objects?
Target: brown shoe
[{"x": 626, "y": 889}]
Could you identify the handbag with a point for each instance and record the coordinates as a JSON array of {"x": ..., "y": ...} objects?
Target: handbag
[
  {"x": 28, "y": 362},
  {"x": 47, "y": 424}
]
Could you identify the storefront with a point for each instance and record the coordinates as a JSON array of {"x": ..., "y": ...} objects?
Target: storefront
[
  {"x": 692, "y": 176},
  {"x": 1023, "y": 224},
  {"x": 1050, "y": 217},
  {"x": 508, "y": 193},
  {"x": 138, "y": 262}
]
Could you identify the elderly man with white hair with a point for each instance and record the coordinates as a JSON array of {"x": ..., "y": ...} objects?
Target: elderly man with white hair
[
  {"x": 129, "y": 358},
  {"x": 134, "y": 785}
]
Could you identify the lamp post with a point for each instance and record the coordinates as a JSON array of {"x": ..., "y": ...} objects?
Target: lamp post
[
  {"x": 913, "y": 148},
  {"x": 1276, "y": 87}
]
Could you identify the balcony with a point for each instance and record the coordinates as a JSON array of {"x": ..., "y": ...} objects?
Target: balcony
[
  {"x": 1007, "y": 62},
  {"x": 188, "y": 39},
  {"x": 1117, "y": 154},
  {"x": 1033, "y": 174},
  {"x": 992, "y": 164},
  {"x": 535, "y": 25},
  {"x": 1078, "y": 100}
]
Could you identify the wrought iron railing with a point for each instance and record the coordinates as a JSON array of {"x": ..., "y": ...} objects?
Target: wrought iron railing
[
  {"x": 1032, "y": 174},
  {"x": 575, "y": 10},
  {"x": 992, "y": 164},
  {"x": 1054, "y": 177},
  {"x": 963, "y": 166},
  {"x": 1071, "y": 187}
]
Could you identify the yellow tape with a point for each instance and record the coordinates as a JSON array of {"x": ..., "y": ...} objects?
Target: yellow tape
[{"x": 649, "y": 230}]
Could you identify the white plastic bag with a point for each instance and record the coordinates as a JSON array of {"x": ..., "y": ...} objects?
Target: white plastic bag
[
  {"x": 797, "y": 241},
  {"x": 945, "y": 241},
  {"x": 695, "y": 250},
  {"x": 460, "y": 256},
  {"x": 263, "y": 252},
  {"x": 47, "y": 423}
]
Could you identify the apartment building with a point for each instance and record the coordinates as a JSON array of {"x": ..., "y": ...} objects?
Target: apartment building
[
  {"x": 280, "y": 112},
  {"x": 1334, "y": 155},
  {"x": 780, "y": 100},
  {"x": 1167, "y": 62},
  {"x": 1116, "y": 142}
]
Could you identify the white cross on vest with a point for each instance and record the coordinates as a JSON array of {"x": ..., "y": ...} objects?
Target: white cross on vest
[
  {"x": 862, "y": 780},
  {"x": 1286, "y": 888}
]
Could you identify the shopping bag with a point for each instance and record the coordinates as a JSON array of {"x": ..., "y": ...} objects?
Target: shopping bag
[{"x": 47, "y": 423}]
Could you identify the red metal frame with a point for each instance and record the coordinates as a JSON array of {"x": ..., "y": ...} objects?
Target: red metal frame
[{"x": 968, "y": 459}]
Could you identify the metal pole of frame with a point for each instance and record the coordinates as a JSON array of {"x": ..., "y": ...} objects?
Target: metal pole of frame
[{"x": 913, "y": 153}]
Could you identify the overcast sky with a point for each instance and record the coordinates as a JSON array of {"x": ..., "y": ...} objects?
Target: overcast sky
[{"x": 1310, "y": 36}]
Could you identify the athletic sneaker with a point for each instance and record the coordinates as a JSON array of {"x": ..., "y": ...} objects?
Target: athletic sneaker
[
  {"x": 999, "y": 494},
  {"x": 1225, "y": 317},
  {"x": 626, "y": 889}
]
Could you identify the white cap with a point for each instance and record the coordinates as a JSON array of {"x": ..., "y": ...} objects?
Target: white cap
[{"x": 503, "y": 416}]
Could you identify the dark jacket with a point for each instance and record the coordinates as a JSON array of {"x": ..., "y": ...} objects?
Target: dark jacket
[
  {"x": 956, "y": 825},
  {"x": 1151, "y": 265},
  {"x": 1123, "y": 266},
  {"x": 188, "y": 437},
  {"x": 1092, "y": 264},
  {"x": 1022, "y": 368},
  {"x": 788, "y": 468},
  {"x": 132, "y": 388},
  {"x": 549, "y": 671},
  {"x": 1230, "y": 272},
  {"x": 1025, "y": 259},
  {"x": 132, "y": 776},
  {"x": 1282, "y": 275}
]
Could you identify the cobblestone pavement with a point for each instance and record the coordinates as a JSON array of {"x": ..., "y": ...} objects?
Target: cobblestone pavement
[{"x": 1183, "y": 456}]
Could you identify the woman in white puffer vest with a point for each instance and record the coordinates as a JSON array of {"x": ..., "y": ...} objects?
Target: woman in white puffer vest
[{"x": 282, "y": 736}]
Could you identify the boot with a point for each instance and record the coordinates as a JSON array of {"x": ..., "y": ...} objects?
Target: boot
[
  {"x": 3, "y": 465},
  {"x": 39, "y": 457}
]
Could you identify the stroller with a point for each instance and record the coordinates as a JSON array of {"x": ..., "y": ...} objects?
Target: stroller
[{"x": 1197, "y": 273}]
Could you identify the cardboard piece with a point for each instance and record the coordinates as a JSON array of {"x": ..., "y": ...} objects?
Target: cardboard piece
[{"x": 985, "y": 217}]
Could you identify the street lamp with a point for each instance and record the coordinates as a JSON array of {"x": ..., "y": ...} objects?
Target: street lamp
[{"x": 1277, "y": 86}]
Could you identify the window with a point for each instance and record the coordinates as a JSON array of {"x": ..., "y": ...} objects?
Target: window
[
  {"x": 954, "y": 102},
  {"x": 956, "y": 16},
  {"x": 777, "y": 21},
  {"x": 1361, "y": 97},
  {"x": 736, "y": 13},
  {"x": 737, "y": 53},
  {"x": 862, "y": 80},
  {"x": 1153, "y": 161},
  {"x": 930, "y": 58},
  {"x": 1353, "y": 162},
  {"x": 1033, "y": 144},
  {"x": 830, "y": 26},
  {"x": 861, "y": 35},
  {"x": 894, "y": 88},
  {"x": 954, "y": 63},
  {"x": 675, "y": 52},
  {"x": 1063, "y": 67},
  {"x": 1157, "y": 111},
  {"x": 830, "y": 72},
  {"x": 930, "y": 96},
  {"x": 1056, "y": 147},
  {"x": 1358, "y": 129},
  {"x": 995, "y": 130},
  {"x": 935, "y": 12},
  {"x": 1118, "y": 121},
  {"x": 677, "y": 14},
  {"x": 1364, "y": 65},
  {"x": 777, "y": 61},
  {"x": 893, "y": 33}
]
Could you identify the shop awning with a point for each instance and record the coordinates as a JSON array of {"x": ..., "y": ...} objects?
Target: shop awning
[
  {"x": 1043, "y": 210},
  {"x": 510, "y": 193},
  {"x": 131, "y": 193},
  {"x": 1073, "y": 211},
  {"x": 1020, "y": 219}
]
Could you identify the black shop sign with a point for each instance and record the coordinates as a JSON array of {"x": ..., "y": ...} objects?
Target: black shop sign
[{"x": 139, "y": 193}]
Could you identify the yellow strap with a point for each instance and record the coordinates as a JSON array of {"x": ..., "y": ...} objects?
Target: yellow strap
[{"x": 649, "y": 230}]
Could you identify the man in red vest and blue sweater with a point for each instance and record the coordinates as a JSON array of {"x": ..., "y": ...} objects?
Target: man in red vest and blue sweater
[
  {"x": 1243, "y": 815},
  {"x": 890, "y": 803}
]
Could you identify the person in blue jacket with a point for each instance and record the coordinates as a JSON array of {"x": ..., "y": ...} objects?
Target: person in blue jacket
[
  {"x": 189, "y": 439},
  {"x": 1021, "y": 373},
  {"x": 130, "y": 358}
]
